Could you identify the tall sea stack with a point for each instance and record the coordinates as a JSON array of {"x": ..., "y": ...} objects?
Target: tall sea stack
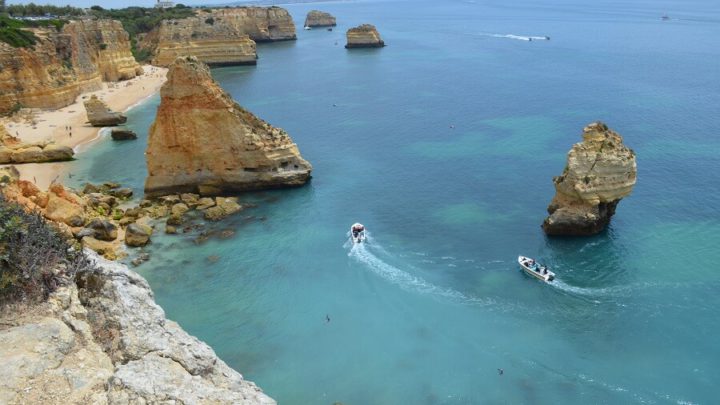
[
  {"x": 202, "y": 141},
  {"x": 600, "y": 171}
]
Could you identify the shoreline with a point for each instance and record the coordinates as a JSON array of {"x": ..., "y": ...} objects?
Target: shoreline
[{"x": 68, "y": 125}]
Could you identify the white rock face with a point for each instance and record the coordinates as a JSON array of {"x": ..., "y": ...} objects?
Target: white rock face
[{"x": 106, "y": 341}]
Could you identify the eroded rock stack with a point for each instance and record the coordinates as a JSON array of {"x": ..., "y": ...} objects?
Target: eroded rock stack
[
  {"x": 103, "y": 340},
  {"x": 204, "y": 142},
  {"x": 221, "y": 36},
  {"x": 600, "y": 171},
  {"x": 316, "y": 18},
  {"x": 64, "y": 64},
  {"x": 364, "y": 36},
  {"x": 12, "y": 150},
  {"x": 99, "y": 115}
]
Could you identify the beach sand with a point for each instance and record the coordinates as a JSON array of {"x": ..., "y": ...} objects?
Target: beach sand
[{"x": 68, "y": 125}]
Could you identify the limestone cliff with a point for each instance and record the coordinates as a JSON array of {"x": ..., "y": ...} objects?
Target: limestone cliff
[
  {"x": 203, "y": 141},
  {"x": 64, "y": 64},
  {"x": 12, "y": 150},
  {"x": 364, "y": 36},
  {"x": 600, "y": 171},
  {"x": 219, "y": 36},
  {"x": 316, "y": 18},
  {"x": 103, "y": 340}
]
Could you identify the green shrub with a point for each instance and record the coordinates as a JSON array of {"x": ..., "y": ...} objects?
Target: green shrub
[
  {"x": 210, "y": 21},
  {"x": 103, "y": 47},
  {"x": 34, "y": 258}
]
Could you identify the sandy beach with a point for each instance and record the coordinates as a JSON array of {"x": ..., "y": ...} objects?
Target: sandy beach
[{"x": 68, "y": 125}]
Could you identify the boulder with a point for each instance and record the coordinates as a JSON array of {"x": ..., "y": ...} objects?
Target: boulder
[
  {"x": 63, "y": 210},
  {"x": 364, "y": 36},
  {"x": 137, "y": 235},
  {"x": 122, "y": 193},
  {"x": 107, "y": 249},
  {"x": 99, "y": 115},
  {"x": 103, "y": 229},
  {"x": 600, "y": 171},
  {"x": 243, "y": 153},
  {"x": 118, "y": 134},
  {"x": 179, "y": 209}
]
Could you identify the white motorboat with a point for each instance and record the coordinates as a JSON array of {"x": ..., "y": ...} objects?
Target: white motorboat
[
  {"x": 307, "y": 28},
  {"x": 535, "y": 269},
  {"x": 357, "y": 233}
]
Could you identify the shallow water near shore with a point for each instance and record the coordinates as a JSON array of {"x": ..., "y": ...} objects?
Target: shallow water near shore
[{"x": 434, "y": 304}]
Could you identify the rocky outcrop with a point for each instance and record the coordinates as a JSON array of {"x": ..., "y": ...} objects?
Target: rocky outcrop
[
  {"x": 364, "y": 36},
  {"x": 316, "y": 18},
  {"x": 12, "y": 150},
  {"x": 99, "y": 115},
  {"x": 220, "y": 36},
  {"x": 204, "y": 142},
  {"x": 64, "y": 64},
  {"x": 600, "y": 171},
  {"x": 118, "y": 134},
  {"x": 103, "y": 340}
]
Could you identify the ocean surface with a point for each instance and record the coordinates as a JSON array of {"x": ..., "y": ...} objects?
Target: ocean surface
[{"x": 444, "y": 144}]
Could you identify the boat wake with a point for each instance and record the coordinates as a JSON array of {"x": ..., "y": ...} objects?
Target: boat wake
[
  {"x": 518, "y": 37},
  {"x": 408, "y": 282}
]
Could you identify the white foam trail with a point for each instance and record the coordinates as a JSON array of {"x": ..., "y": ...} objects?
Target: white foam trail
[
  {"x": 517, "y": 37},
  {"x": 405, "y": 280}
]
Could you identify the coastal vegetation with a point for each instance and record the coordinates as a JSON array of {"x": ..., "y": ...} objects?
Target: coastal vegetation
[
  {"x": 14, "y": 32},
  {"x": 35, "y": 258},
  {"x": 141, "y": 20}
]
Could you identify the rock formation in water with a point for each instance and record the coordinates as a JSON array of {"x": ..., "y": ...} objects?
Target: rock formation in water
[
  {"x": 204, "y": 142},
  {"x": 99, "y": 115},
  {"x": 12, "y": 150},
  {"x": 316, "y": 18},
  {"x": 64, "y": 64},
  {"x": 364, "y": 36},
  {"x": 220, "y": 36},
  {"x": 600, "y": 171},
  {"x": 102, "y": 339},
  {"x": 118, "y": 134}
]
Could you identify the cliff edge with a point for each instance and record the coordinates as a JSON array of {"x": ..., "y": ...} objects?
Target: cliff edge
[
  {"x": 64, "y": 64},
  {"x": 600, "y": 172},
  {"x": 202, "y": 141},
  {"x": 104, "y": 340}
]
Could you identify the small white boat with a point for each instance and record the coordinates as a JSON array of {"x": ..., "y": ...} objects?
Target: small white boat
[
  {"x": 307, "y": 28},
  {"x": 357, "y": 233},
  {"x": 535, "y": 269}
]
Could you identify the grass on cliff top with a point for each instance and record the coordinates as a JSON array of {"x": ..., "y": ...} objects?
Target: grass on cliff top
[
  {"x": 34, "y": 258},
  {"x": 140, "y": 20},
  {"x": 12, "y": 31}
]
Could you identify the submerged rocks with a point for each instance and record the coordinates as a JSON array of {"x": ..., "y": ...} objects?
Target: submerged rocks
[
  {"x": 12, "y": 150},
  {"x": 224, "y": 206},
  {"x": 100, "y": 115},
  {"x": 600, "y": 171},
  {"x": 364, "y": 36},
  {"x": 316, "y": 18},
  {"x": 203, "y": 142},
  {"x": 119, "y": 134}
]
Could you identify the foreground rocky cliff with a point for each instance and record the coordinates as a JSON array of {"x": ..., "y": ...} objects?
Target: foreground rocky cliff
[
  {"x": 600, "y": 172},
  {"x": 104, "y": 340},
  {"x": 64, "y": 64},
  {"x": 220, "y": 36},
  {"x": 204, "y": 142}
]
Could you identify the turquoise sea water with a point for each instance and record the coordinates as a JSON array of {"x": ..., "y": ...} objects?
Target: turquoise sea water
[{"x": 430, "y": 309}]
